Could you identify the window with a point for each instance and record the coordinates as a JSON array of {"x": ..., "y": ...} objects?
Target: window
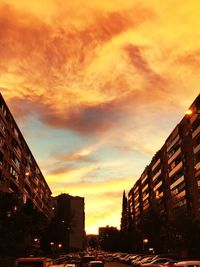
[
  {"x": 14, "y": 173},
  {"x": 16, "y": 160}
]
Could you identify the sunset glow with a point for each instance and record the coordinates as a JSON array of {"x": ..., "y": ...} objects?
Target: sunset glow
[{"x": 96, "y": 87}]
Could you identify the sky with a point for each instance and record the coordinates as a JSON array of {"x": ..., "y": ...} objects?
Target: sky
[{"x": 96, "y": 87}]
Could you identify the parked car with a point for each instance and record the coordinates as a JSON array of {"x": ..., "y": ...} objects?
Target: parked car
[
  {"x": 187, "y": 264},
  {"x": 100, "y": 257},
  {"x": 156, "y": 262},
  {"x": 70, "y": 265},
  {"x": 95, "y": 264},
  {"x": 130, "y": 258},
  {"x": 109, "y": 257},
  {"x": 142, "y": 261},
  {"x": 34, "y": 262},
  {"x": 169, "y": 264},
  {"x": 138, "y": 260},
  {"x": 86, "y": 259}
]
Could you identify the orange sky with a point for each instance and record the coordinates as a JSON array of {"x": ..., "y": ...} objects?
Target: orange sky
[{"x": 96, "y": 87}]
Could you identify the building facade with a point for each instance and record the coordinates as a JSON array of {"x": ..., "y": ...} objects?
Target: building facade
[
  {"x": 70, "y": 222},
  {"x": 19, "y": 172},
  {"x": 170, "y": 184}
]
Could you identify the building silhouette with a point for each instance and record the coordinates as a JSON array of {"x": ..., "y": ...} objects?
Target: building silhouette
[
  {"x": 19, "y": 171},
  {"x": 70, "y": 222}
]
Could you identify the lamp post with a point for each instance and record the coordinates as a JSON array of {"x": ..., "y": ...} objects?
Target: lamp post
[
  {"x": 145, "y": 241},
  {"x": 52, "y": 244}
]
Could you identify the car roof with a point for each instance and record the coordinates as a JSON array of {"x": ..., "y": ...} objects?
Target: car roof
[{"x": 187, "y": 262}]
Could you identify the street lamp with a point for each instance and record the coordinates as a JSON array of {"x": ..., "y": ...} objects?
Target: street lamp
[
  {"x": 144, "y": 243},
  {"x": 192, "y": 111}
]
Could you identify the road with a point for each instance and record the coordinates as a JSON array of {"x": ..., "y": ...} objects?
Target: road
[{"x": 116, "y": 264}]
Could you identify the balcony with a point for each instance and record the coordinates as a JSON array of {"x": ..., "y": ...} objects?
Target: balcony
[
  {"x": 146, "y": 206},
  {"x": 196, "y": 149},
  {"x": 180, "y": 195},
  {"x": 136, "y": 197},
  {"x": 177, "y": 182},
  {"x": 176, "y": 168},
  {"x": 144, "y": 188},
  {"x": 156, "y": 164},
  {"x": 156, "y": 175},
  {"x": 145, "y": 197},
  {"x": 144, "y": 178},
  {"x": 197, "y": 131},
  {"x": 18, "y": 152},
  {"x": 136, "y": 189},
  {"x": 197, "y": 166},
  {"x": 173, "y": 143},
  {"x": 175, "y": 155},
  {"x": 157, "y": 186},
  {"x": 137, "y": 205},
  {"x": 194, "y": 117}
]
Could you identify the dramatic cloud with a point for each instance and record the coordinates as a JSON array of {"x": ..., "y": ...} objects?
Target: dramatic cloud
[{"x": 96, "y": 90}]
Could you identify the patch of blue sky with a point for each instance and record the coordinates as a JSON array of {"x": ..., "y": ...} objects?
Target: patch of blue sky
[{"x": 44, "y": 141}]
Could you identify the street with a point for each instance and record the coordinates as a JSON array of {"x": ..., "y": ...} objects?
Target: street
[{"x": 116, "y": 264}]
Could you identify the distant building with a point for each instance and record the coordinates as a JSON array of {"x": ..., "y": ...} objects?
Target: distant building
[
  {"x": 171, "y": 182},
  {"x": 104, "y": 232},
  {"x": 70, "y": 215},
  {"x": 19, "y": 172}
]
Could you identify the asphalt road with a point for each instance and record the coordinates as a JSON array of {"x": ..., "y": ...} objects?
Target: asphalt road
[{"x": 115, "y": 264}]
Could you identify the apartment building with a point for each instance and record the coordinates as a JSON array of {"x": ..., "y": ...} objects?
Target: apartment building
[
  {"x": 70, "y": 222},
  {"x": 19, "y": 172},
  {"x": 171, "y": 182}
]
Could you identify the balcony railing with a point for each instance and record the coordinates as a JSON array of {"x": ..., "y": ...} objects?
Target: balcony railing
[
  {"x": 157, "y": 186},
  {"x": 180, "y": 195},
  {"x": 173, "y": 143},
  {"x": 156, "y": 175},
  {"x": 144, "y": 188},
  {"x": 197, "y": 166},
  {"x": 144, "y": 178},
  {"x": 156, "y": 164},
  {"x": 175, "y": 155},
  {"x": 177, "y": 182},
  {"x": 176, "y": 168},
  {"x": 197, "y": 131},
  {"x": 196, "y": 149}
]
